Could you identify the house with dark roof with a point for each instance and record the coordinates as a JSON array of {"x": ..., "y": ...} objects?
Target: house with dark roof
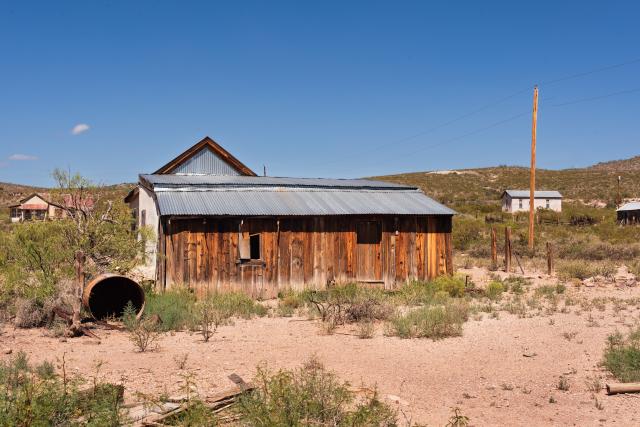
[
  {"x": 514, "y": 201},
  {"x": 220, "y": 227}
]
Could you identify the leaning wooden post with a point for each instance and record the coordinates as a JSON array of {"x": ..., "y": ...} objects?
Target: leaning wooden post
[
  {"x": 549, "y": 259},
  {"x": 494, "y": 248},
  {"x": 507, "y": 249}
]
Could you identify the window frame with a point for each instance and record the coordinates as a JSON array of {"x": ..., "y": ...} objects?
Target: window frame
[{"x": 361, "y": 234}]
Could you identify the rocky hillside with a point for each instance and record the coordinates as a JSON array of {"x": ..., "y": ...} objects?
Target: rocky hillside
[
  {"x": 596, "y": 185},
  {"x": 632, "y": 164}
]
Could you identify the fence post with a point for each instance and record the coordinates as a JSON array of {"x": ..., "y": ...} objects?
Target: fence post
[
  {"x": 549, "y": 259},
  {"x": 494, "y": 249},
  {"x": 507, "y": 249}
]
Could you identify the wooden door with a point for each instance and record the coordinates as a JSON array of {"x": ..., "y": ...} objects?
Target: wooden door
[{"x": 368, "y": 256}]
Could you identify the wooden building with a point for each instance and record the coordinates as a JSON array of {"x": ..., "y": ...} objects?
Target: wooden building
[
  {"x": 629, "y": 213},
  {"x": 222, "y": 228}
]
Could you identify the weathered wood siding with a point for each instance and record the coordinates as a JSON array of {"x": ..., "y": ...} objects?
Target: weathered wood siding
[{"x": 302, "y": 252}]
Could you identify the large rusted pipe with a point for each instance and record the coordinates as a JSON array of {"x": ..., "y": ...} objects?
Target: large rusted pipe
[{"x": 108, "y": 294}]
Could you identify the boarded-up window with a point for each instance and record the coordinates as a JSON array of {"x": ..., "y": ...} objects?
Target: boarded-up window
[
  {"x": 369, "y": 232},
  {"x": 143, "y": 217}
]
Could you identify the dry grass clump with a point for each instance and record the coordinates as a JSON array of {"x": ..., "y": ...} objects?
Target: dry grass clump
[
  {"x": 434, "y": 322},
  {"x": 28, "y": 313},
  {"x": 581, "y": 270}
]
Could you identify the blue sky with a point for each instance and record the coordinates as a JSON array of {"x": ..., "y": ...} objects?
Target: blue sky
[{"x": 337, "y": 89}]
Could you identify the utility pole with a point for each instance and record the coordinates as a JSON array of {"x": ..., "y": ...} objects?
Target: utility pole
[
  {"x": 532, "y": 181},
  {"x": 619, "y": 199}
]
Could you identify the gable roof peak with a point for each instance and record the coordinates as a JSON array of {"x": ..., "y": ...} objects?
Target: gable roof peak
[{"x": 215, "y": 148}]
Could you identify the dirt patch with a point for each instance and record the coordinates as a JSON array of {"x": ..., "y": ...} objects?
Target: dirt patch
[{"x": 502, "y": 371}]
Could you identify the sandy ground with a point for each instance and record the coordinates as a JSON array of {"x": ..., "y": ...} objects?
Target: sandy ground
[{"x": 500, "y": 372}]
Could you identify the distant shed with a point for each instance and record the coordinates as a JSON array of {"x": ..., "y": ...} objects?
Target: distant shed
[
  {"x": 629, "y": 213},
  {"x": 222, "y": 228},
  {"x": 518, "y": 200}
]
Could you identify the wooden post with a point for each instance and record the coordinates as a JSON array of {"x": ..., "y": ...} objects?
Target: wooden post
[
  {"x": 549, "y": 259},
  {"x": 75, "y": 328},
  {"x": 507, "y": 249},
  {"x": 494, "y": 249},
  {"x": 532, "y": 180}
]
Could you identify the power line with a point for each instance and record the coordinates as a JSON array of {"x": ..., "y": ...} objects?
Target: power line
[
  {"x": 586, "y": 73},
  {"x": 595, "y": 98},
  {"x": 499, "y": 101},
  {"x": 437, "y": 127}
]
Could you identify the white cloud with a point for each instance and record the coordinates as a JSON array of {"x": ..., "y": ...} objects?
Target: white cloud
[
  {"x": 79, "y": 128},
  {"x": 22, "y": 157}
]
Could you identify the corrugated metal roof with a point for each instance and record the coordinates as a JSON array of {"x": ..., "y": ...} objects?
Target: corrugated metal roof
[
  {"x": 520, "y": 194},
  {"x": 254, "y": 181},
  {"x": 206, "y": 161},
  {"x": 294, "y": 202},
  {"x": 633, "y": 206}
]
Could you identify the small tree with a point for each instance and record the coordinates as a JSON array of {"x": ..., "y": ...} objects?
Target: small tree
[{"x": 94, "y": 236}]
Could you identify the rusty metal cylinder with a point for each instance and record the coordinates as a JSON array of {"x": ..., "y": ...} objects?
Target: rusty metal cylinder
[{"x": 107, "y": 295}]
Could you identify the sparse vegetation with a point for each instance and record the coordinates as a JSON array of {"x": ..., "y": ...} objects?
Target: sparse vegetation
[
  {"x": 495, "y": 290},
  {"x": 622, "y": 356},
  {"x": 38, "y": 396},
  {"x": 180, "y": 310},
  {"x": 436, "y": 322},
  {"x": 144, "y": 332},
  {"x": 310, "y": 395}
]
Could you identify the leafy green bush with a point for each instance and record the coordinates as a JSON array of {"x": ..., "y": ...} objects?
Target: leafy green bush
[
  {"x": 36, "y": 395},
  {"x": 622, "y": 356},
  {"x": 308, "y": 396},
  {"x": 434, "y": 322}
]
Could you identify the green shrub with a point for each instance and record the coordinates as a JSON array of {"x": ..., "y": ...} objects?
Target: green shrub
[
  {"x": 434, "y": 322},
  {"x": 237, "y": 304},
  {"x": 38, "y": 396},
  {"x": 453, "y": 285},
  {"x": 495, "y": 290},
  {"x": 175, "y": 309},
  {"x": 309, "y": 396},
  {"x": 622, "y": 356}
]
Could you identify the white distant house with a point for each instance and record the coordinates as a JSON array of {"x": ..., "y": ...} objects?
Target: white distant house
[{"x": 518, "y": 200}]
